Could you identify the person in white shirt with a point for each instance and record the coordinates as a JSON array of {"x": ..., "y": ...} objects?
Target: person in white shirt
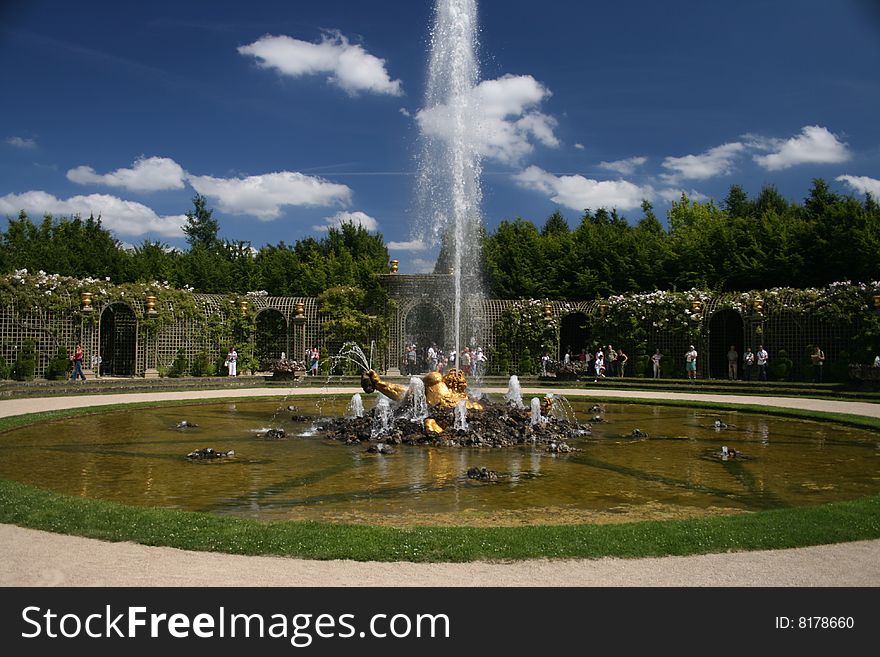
[
  {"x": 762, "y": 358},
  {"x": 232, "y": 361},
  {"x": 690, "y": 359},
  {"x": 655, "y": 361},
  {"x": 748, "y": 364}
]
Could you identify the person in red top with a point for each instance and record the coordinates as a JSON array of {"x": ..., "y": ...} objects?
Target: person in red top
[{"x": 77, "y": 359}]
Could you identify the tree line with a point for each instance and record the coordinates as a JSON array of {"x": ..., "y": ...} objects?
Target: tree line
[
  {"x": 743, "y": 243},
  {"x": 348, "y": 256}
]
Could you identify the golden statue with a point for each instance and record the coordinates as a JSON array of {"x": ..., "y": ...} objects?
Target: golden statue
[{"x": 441, "y": 390}]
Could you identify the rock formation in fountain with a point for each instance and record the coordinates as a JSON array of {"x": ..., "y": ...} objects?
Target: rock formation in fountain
[{"x": 397, "y": 419}]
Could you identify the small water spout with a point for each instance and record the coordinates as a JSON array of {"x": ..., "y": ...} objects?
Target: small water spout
[
  {"x": 461, "y": 416},
  {"x": 382, "y": 419},
  {"x": 418, "y": 403},
  {"x": 537, "y": 418},
  {"x": 355, "y": 406},
  {"x": 514, "y": 393}
]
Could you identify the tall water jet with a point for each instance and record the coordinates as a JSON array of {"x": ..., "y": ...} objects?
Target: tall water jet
[{"x": 450, "y": 165}]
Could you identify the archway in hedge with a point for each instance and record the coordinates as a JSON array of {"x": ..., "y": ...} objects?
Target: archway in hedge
[
  {"x": 423, "y": 328},
  {"x": 726, "y": 328},
  {"x": 574, "y": 333},
  {"x": 118, "y": 329},
  {"x": 271, "y": 335}
]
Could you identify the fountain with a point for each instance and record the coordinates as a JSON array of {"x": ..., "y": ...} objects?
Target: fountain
[
  {"x": 355, "y": 406},
  {"x": 535, "y": 417},
  {"x": 449, "y": 167},
  {"x": 461, "y": 416},
  {"x": 513, "y": 395},
  {"x": 436, "y": 409}
]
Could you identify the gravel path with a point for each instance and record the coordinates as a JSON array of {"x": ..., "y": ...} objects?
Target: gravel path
[{"x": 36, "y": 558}]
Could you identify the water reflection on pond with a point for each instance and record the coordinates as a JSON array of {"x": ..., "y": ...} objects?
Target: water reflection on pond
[{"x": 138, "y": 457}]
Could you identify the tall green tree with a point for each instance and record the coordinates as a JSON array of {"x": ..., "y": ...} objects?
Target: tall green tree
[{"x": 201, "y": 229}]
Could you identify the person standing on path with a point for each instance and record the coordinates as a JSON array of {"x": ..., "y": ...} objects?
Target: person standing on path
[
  {"x": 732, "y": 363},
  {"x": 77, "y": 359},
  {"x": 621, "y": 363},
  {"x": 655, "y": 361},
  {"x": 690, "y": 360},
  {"x": 818, "y": 359},
  {"x": 762, "y": 358},
  {"x": 232, "y": 361},
  {"x": 748, "y": 364}
]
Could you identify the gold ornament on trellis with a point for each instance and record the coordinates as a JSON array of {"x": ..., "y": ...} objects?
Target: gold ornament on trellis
[
  {"x": 151, "y": 306},
  {"x": 243, "y": 306},
  {"x": 395, "y": 264},
  {"x": 299, "y": 312},
  {"x": 85, "y": 299},
  {"x": 758, "y": 306}
]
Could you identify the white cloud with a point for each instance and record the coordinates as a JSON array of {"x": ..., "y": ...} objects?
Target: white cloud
[
  {"x": 150, "y": 174},
  {"x": 626, "y": 167},
  {"x": 716, "y": 161},
  {"x": 814, "y": 145},
  {"x": 671, "y": 194},
  {"x": 120, "y": 216},
  {"x": 579, "y": 146},
  {"x": 405, "y": 112},
  {"x": 862, "y": 184},
  {"x": 579, "y": 193},
  {"x": 350, "y": 67},
  {"x": 354, "y": 218},
  {"x": 21, "y": 142},
  {"x": 422, "y": 266},
  {"x": 412, "y": 245},
  {"x": 263, "y": 196},
  {"x": 502, "y": 121}
]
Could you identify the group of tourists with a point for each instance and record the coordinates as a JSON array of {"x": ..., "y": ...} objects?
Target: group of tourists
[
  {"x": 471, "y": 361},
  {"x": 607, "y": 361},
  {"x": 751, "y": 359}
]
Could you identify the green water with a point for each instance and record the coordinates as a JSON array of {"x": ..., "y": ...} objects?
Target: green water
[{"x": 138, "y": 457}]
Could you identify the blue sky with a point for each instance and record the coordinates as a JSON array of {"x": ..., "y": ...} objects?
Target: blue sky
[{"x": 290, "y": 116}]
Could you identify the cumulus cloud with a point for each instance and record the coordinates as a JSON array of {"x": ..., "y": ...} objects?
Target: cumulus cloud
[
  {"x": 21, "y": 142},
  {"x": 263, "y": 196},
  {"x": 578, "y": 193},
  {"x": 670, "y": 194},
  {"x": 350, "y": 67},
  {"x": 716, "y": 161},
  {"x": 146, "y": 174},
  {"x": 405, "y": 112},
  {"x": 862, "y": 184},
  {"x": 503, "y": 119},
  {"x": 118, "y": 215},
  {"x": 422, "y": 266},
  {"x": 579, "y": 146},
  {"x": 412, "y": 245},
  {"x": 814, "y": 145},
  {"x": 626, "y": 167},
  {"x": 354, "y": 218}
]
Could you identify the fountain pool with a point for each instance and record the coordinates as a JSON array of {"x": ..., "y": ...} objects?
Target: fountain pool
[{"x": 137, "y": 457}]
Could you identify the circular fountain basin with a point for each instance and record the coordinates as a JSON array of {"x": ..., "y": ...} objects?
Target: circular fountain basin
[{"x": 678, "y": 470}]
